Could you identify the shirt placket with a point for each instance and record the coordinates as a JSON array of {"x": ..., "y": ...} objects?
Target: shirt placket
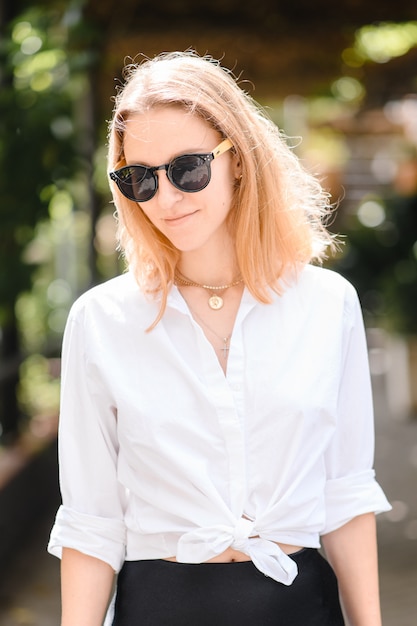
[
  {"x": 229, "y": 422},
  {"x": 226, "y": 394}
]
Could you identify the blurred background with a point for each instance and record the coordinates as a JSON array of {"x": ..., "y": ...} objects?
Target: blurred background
[{"x": 340, "y": 76}]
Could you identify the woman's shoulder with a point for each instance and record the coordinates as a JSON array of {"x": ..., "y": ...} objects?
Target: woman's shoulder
[
  {"x": 318, "y": 279},
  {"x": 115, "y": 288},
  {"x": 116, "y": 298},
  {"x": 317, "y": 289}
]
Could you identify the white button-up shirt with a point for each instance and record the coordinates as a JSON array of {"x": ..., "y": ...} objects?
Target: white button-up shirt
[{"x": 163, "y": 455}]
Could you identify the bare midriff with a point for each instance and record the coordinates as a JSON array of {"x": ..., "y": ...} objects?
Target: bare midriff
[{"x": 235, "y": 556}]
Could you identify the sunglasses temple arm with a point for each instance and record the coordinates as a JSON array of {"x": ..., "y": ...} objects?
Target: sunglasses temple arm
[{"x": 223, "y": 147}]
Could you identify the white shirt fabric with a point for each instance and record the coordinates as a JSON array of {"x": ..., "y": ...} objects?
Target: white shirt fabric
[{"x": 163, "y": 455}]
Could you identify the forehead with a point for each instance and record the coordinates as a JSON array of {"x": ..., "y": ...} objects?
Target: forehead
[{"x": 163, "y": 133}]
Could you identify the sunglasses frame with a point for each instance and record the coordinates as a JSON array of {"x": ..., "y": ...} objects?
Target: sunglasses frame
[{"x": 117, "y": 177}]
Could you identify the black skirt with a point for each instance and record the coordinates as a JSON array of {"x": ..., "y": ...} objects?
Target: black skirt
[{"x": 165, "y": 593}]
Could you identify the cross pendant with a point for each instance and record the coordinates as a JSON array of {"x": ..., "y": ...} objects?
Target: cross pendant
[{"x": 225, "y": 348}]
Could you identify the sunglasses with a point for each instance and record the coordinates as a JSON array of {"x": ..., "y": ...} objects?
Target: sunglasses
[{"x": 188, "y": 172}]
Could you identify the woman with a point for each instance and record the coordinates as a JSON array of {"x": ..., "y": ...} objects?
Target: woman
[{"x": 216, "y": 414}]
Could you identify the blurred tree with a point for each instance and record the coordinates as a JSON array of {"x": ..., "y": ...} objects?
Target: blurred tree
[{"x": 42, "y": 89}]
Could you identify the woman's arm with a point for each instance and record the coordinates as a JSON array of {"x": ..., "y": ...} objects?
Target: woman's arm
[
  {"x": 352, "y": 552},
  {"x": 86, "y": 585}
]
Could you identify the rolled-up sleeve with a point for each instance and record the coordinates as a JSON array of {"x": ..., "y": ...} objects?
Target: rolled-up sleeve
[
  {"x": 351, "y": 488},
  {"x": 91, "y": 516}
]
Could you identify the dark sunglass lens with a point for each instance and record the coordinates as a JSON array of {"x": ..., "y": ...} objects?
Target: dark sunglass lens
[
  {"x": 190, "y": 173},
  {"x": 137, "y": 183}
]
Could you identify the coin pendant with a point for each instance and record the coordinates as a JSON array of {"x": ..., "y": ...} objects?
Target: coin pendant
[{"x": 215, "y": 302}]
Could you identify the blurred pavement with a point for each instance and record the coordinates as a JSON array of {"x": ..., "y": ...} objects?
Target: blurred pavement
[
  {"x": 396, "y": 469},
  {"x": 30, "y": 596}
]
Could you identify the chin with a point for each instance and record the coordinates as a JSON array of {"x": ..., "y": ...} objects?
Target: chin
[{"x": 183, "y": 245}]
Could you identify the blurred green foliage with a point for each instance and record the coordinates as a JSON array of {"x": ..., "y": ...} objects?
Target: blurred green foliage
[
  {"x": 47, "y": 168},
  {"x": 380, "y": 258},
  {"x": 37, "y": 155},
  {"x": 40, "y": 385}
]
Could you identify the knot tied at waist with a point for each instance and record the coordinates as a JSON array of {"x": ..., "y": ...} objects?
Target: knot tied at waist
[{"x": 203, "y": 544}]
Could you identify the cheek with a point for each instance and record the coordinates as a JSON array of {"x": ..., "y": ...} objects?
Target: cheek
[
  {"x": 148, "y": 215},
  {"x": 146, "y": 210},
  {"x": 229, "y": 195},
  {"x": 223, "y": 186}
]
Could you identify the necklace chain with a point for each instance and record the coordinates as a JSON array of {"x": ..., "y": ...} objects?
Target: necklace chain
[
  {"x": 215, "y": 300},
  {"x": 225, "y": 348},
  {"x": 183, "y": 280}
]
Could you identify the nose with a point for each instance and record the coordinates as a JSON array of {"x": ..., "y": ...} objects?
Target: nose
[{"x": 167, "y": 194}]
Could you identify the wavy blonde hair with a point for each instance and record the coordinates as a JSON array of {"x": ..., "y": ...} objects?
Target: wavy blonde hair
[{"x": 279, "y": 209}]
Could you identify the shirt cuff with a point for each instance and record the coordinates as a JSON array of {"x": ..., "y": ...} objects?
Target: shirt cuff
[
  {"x": 102, "y": 538},
  {"x": 351, "y": 496}
]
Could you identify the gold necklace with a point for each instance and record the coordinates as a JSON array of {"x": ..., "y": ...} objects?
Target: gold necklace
[{"x": 215, "y": 300}]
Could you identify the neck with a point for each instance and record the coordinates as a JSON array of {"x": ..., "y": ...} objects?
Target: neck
[{"x": 214, "y": 267}]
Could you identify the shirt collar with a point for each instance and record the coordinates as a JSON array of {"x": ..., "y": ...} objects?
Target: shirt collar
[{"x": 176, "y": 301}]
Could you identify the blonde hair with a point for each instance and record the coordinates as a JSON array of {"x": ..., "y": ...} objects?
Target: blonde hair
[{"x": 278, "y": 209}]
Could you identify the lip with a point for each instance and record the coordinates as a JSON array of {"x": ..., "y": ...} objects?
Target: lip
[{"x": 178, "y": 219}]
